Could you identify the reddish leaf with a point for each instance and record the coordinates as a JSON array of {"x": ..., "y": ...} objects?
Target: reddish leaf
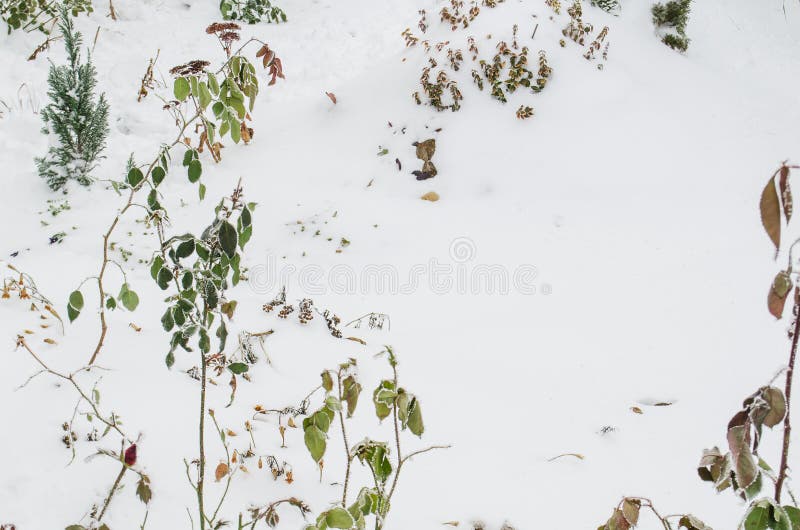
[
  {"x": 332, "y": 96},
  {"x": 778, "y": 291}
]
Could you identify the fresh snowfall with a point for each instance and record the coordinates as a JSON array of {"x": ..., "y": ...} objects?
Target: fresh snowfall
[{"x": 398, "y": 264}]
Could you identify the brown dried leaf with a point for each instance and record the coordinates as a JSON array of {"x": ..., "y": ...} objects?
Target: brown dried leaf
[
  {"x": 630, "y": 510},
  {"x": 221, "y": 471},
  {"x": 771, "y": 213},
  {"x": 332, "y": 96},
  {"x": 426, "y": 149},
  {"x": 777, "y": 405}
]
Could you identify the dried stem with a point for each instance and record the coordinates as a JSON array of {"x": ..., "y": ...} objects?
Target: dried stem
[
  {"x": 787, "y": 424},
  {"x": 128, "y": 204},
  {"x": 110, "y": 423},
  {"x": 348, "y": 456},
  {"x": 201, "y": 437},
  {"x": 111, "y": 493}
]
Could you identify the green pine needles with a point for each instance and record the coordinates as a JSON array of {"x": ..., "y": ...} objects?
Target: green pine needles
[
  {"x": 76, "y": 120},
  {"x": 673, "y": 14},
  {"x": 251, "y": 11}
]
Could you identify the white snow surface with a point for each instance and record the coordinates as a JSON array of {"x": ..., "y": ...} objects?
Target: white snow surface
[{"x": 633, "y": 191}]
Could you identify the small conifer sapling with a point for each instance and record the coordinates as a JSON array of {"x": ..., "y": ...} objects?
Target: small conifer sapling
[{"x": 75, "y": 119}]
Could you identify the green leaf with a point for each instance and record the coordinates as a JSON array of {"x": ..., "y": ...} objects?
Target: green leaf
[
  {"x": 134, "y": 177},
  {"x": 170, "y": 360},
  {"x": 757, "y": 519},
  {"x": 128, "y": 298},
  {"x": 72, "y": 313},
  {"x": 178, "y": 316},
  {"x": 201, "y": 191},
  {"x": 204, "y": 96},
  {"x": 327, "y": 381},
  {"x": 210, "y": 295},
  {"x": 185, "y": 249},
  {"x": 163, "y": 278},
  {"x": 188, "y": 156},
  {"x": 244, "y": 237},
  {"x": 246, "y": 218},
  {"x": 158, "y": 175},
  {"x": 75, "y": 527},
  {"x": 315, "y": 442},
  {"x": 143, "y": 490},
  {"x": 213, "y": 84},
  {"x": 76, "y": 300},
  {"x": 238, "y": 368},
  {"x": 321, "y": 420},
  {"x": 415, "y": 424},
  {"x": 794, "y": 516},
  {"x": 111, "y": 303},
  {"x": 181, "y": 88},
  {"x": 204, "y": 342},
  {"x": 339, "y": 518},
  {"x": 351, "y": 391},
  {"x": 403, "y": 402},
  {"x": 158, "y": 262},
  {"x": 228, "y": 238},
  {"x": 167, "y": 322},
  {"x": 195, "y": 170},
  {"x": 236, "y": 131}
]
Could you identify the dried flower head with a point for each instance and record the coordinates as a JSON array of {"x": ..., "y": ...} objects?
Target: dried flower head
[
  {"x": 228, "y": 37},
  {"x": 191, "y": 68},
  {"x": 219, "y": 27}
]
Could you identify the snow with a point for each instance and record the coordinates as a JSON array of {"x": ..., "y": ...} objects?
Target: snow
[{"x": 633, "y": 192}]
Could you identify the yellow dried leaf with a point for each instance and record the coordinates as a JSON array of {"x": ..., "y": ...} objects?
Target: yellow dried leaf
[{"x": 431, "y": 196}]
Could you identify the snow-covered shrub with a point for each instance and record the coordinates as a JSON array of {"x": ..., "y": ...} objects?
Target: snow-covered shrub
[
  {"x": 251, "y": 11},
  {"x": 609, "y": 6},
  {"x": 741, "y": 467},
  {"x": 390, "y": 400},
  {"x": 628, "y": 512},
  {"x": 504, "y": 73},
  {"x": 576, "y": 29},
  {"x": 38, "y": 14},
  {"x": 76, "y": 120},
  {"x": 673, "y": 15}
]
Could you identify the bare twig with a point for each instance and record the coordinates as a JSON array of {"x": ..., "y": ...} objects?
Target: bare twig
[{"x": 787, "y": 423}]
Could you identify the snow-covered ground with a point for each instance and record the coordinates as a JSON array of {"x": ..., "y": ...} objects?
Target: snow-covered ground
[{"x": 626, "y": 207}]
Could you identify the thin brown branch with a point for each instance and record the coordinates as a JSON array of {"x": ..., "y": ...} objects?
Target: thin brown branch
[
  {"x": 787, "y": 422},
  {"x": 111, "y": 493},
  {"x": 106, "y": 237}
]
